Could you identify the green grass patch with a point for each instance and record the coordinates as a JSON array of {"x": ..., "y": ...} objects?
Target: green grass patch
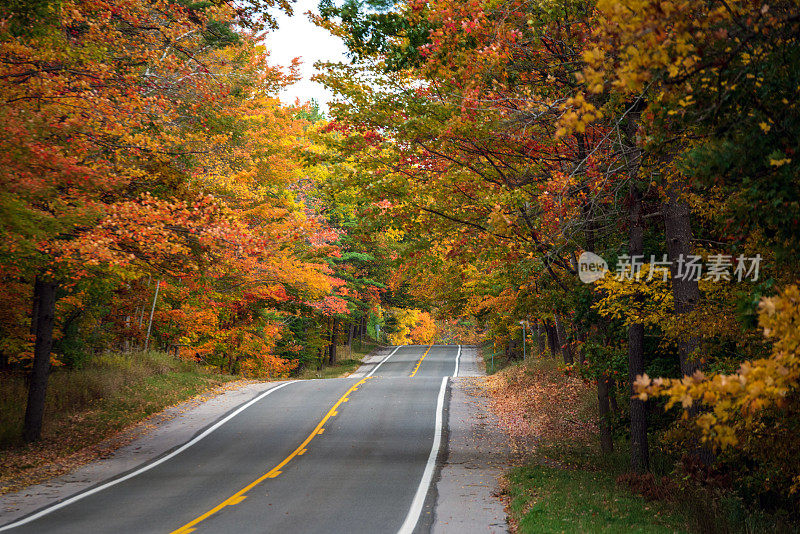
[
  {"x": 340, "y": 368},
  {"x": 349, "y": 360},
  {"x": 492, "y": 363},
  {"x": 567, "y": 485},
  {"x": 559, "y": 499}
]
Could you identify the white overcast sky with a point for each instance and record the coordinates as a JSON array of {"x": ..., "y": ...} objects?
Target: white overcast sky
[{"x": 297, "y": 36}]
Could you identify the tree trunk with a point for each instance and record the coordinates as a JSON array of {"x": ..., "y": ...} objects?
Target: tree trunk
[
  {"x": 45, "y": 295},
  {"x": 640, "y": 460},
  {"x": 363, "y": 328},
  {"x": 566, "y": 351},
  {"x": 332, "y": 346},
  {"x": 612, "y": 396},
  {"x": 552, "y": 339},
  {"x": 150, "y": 322},
  {"x": 350, "y": 332},
  {"x": 512, "y": 350},
  {"x": 540, "y": 337},
  {"x": 606, "y": 443},
  {"x": 35, "y": 308},
  {"x": 678, "y": 233}
]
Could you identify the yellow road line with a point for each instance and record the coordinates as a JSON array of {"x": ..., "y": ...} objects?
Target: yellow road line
[
  {"x": 420, "y": 360},
  {"x": 239, "y": 496}
]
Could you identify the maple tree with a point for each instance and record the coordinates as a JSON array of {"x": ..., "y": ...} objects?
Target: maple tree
[
  {"x": 504, "y": 140},
  {"x": 475, "y": 150},
  {"x": 150, "y": 184}
]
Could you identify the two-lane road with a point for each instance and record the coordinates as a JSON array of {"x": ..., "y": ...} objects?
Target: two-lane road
[{"x": 343, "y": 455}]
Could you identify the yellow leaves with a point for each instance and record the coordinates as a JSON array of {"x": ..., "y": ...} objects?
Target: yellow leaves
[
  {"x": 641, "y": 384},
  {"x": 578, "y": 114},
  {"x": 413, "y": 326},
  {"x": 764, "y": 127},
  {"x": 498, "y": 221},
  {"x": 647, "y": 300},
  {"x": 736, "y": 400},
  {"x": 779, "y": 162},
  {"x": 593, "y": 56},
  {"x": 394, "y": 235}
]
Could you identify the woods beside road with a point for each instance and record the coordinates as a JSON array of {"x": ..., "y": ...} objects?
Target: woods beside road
[{"x": 613, "y": 184}]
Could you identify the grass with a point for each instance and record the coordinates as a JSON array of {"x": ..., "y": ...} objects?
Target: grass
[
  {"x": 566, "y": 485},
  {"x": 339, "y": 369},
  {"x": 559, "y": 499},
  {"x": 344, "y": 366},
  {"x": 492, "y": 363},
  {"x": 88, "y": 405}
]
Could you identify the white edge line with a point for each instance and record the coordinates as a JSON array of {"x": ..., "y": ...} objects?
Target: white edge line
[
  {"x": 383, "y": 360},
  {"x": 419, "y": 498},
  {"x": 149, "y": 466},
  {"x": 458, "y": 357}
]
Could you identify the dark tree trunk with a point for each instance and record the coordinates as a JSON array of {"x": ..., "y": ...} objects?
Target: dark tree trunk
[
  {"x": 552, "y": 339},
  {"x": 363, "y": 328},
  {"x": 606, "y": 443},
  {"x": 350, "y": 335},
  {"x": 35, "y": 308},
  {"x": 513, "y": 350},
  {"x": 612, "y": 396},
  {"x": 640, "y": 460},
  {"x": 540, "y": 337},
  {"x": 563, "y": 343},
  {"x": 678, "y": 233},
  {"x": 45, "y": 307},
  {"x": 332, "y": 346},
  {"x": 686, "y": 292}
]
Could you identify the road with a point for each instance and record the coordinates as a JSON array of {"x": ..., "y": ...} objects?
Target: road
[{"x": 342, "y": 455}]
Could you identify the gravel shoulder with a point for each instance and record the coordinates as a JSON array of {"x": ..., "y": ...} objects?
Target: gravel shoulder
[{"x": 478, "y": 454}]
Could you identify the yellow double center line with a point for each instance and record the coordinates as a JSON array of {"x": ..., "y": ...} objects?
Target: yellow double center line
[
  {"x": 420, "y": 361},
  {"x": 239, "y": 496}
]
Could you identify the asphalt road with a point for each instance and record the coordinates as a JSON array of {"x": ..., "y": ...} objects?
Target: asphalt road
[{"x": 330, "y": 456}]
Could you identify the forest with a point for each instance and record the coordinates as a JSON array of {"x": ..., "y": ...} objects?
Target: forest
[{"x": 614, "y": 183}]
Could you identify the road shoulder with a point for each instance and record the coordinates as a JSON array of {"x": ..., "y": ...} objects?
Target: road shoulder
[{"x": 477, "y": 456}]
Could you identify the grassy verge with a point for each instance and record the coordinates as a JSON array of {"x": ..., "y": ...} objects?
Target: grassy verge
[
  {"x": 566, "y": 485},
  {"x": 492, "y": 362},
  {"x": 560, "y": 499},
  {"x": 349, "y": 361},
  {"x": 87, "y": 406}
]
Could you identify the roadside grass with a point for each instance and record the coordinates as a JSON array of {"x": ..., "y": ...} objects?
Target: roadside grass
[
  {"x": 492, "y": 363},
  {"x": 349, "y": 361},
  {"x": 339, "y": 369},
  {"x": 566, "y": 485},
  {"x": 559, "y": 499},
  {"x": 88, "y": 405}
]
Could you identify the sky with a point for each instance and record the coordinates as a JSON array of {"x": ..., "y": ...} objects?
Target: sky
[{"x": 297, "y": 36}]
